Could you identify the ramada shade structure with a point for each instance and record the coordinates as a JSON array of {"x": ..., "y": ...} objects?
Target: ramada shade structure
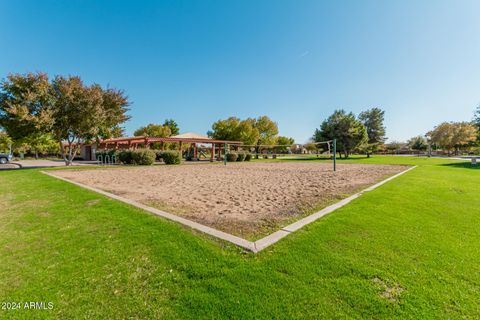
[{"x": 187, "y": 140}]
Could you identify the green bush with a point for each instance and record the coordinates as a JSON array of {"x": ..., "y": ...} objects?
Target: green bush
[
  {"x": 241, "y": 156},
  {"x": 171, "y": 157},
  {"x": 232, "y": 157},
  {"x": 158, "y": 154},
  {"x": 125, "y": 156},
  {"x": 248, "y": 157},
  {"x": 143, "y": 157}
]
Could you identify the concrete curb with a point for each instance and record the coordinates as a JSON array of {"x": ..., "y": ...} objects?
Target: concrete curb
[
  {"x": 252, "y": 246},
  {"x": 274, "y": 237}
]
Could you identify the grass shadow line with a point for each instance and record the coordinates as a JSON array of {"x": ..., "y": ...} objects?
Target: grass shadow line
[{"x": 461, "y": 165}]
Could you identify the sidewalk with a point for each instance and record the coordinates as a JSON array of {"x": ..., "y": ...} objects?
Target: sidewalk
[{"x": 29, "y": 164}]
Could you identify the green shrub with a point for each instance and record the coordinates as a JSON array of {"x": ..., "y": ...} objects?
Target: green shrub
[
  {"x": 143, "y": 157},
  {"x": 158, "y": 154},
  {"x": 232, "y": 157},
  {"x": 248, "y": 157},
  {"x": 241, "y": 156},
  {"x": 171, "y": 157},
  {"x": 125, "y": 156}
]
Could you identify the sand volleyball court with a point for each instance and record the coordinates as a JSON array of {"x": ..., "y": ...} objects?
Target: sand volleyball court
[{"x": 245, "y": 199}]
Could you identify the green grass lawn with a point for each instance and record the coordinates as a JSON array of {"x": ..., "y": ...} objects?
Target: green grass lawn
[{"x": 409, "y": 249}]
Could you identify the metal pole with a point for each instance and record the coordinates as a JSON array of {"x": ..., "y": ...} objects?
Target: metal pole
[
  {"x": 225, "y": 156},
  {"x": 334, "y": 154}
]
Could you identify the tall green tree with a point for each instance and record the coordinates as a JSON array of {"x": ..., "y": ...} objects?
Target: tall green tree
[
  {"x": 267, "y": 130},
  {"x": 226, "y": 129},
  {"x": 476, "y": 122},
  {"x": 172, "y": 124},
  {"x": 349, "y": 132},
  {"x": 153, "y": 130},
  {"x": 32, "y": 107},
  {"x": 284, "y": 143},
  {"x": 115, "y": 105},
  {"x": 453, "y": 135},
  {"x": 25, "y": 105},
  {"x": 37, "y": 144},
  {"x": 418, "y": 143},
  {"x": 235, "y": 129},
  {"x": 84, "y": 114},
  {"x": 247, "y": 133},
  {"x": 373, "y": 120},
  {"x": 156, "y": 130},
  {"x": 5, "y": 141},
  {"x": 394, "y": 146}
]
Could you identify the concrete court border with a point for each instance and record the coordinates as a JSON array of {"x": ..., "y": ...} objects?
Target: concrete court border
[{"x": 256, "y": 246}]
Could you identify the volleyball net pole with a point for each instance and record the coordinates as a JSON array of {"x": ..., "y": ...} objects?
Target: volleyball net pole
[
  {"x": 334, "y": 154},
  {"x": 225, "y": 147}
]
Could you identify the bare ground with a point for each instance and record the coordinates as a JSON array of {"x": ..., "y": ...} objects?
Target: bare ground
[{"x": 245, "y": 199}]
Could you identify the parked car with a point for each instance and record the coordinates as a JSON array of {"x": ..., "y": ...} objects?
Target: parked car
[{"x": 5, "y": 158}]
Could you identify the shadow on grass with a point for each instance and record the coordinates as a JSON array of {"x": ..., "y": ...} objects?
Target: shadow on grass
[{"x": 463, "y": 165}]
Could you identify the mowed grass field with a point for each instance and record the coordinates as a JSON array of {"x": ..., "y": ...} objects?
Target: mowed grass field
[{"x": 409, "y": 249}]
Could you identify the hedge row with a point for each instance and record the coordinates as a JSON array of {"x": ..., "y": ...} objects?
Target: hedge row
[
  {"x": 148, "y": 157},
  {"x": 142, "y": 157},
  {"x": 238, "y": 156}
]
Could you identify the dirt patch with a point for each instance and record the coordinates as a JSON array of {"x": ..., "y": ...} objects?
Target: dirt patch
[
  {"x": 91, "y": 203},
  {"x": 243, "y": 199},
  {"x": 389, "y": 290}
]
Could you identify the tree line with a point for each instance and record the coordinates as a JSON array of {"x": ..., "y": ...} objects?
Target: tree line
[
  {"x": 365, "y": 133},
  {"x": 451, "y": 137},
  {"x": 42, "y": 115},
  {"x": 253, "y": 132}
]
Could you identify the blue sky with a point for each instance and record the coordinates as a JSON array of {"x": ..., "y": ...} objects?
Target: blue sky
[{"x": 295, "y": 61}]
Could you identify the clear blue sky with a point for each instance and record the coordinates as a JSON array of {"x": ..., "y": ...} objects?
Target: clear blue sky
[{"x": 295, "y": 61}]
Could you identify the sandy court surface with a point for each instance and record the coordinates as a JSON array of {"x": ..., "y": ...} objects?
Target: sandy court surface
[{"x": 244, "y": 199}]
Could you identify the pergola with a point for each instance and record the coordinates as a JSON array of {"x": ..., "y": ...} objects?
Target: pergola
[{"x": 135, "y": 142}]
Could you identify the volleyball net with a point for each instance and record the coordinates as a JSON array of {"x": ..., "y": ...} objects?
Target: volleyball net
[
  {"x": 326, "y": 150},
  {"x": 322, "y": 149}
]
